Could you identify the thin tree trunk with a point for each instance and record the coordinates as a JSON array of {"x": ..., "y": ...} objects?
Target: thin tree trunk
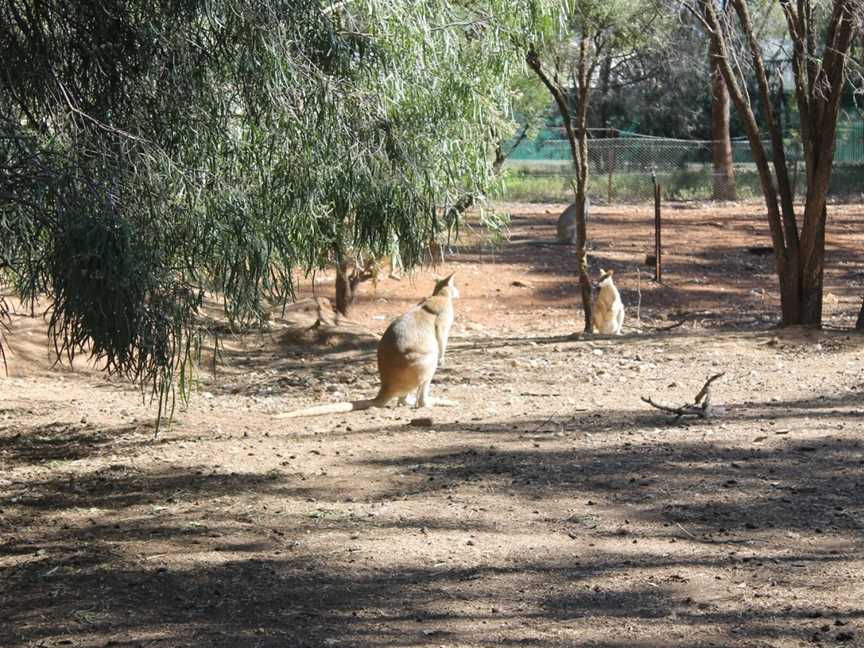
[
  {"x": 781, "y": 170},
  {"x": 582, "y": 183},
  {"x": 605, "y": 78},
  {"x": 785, "y": 260},
  {"x": 824, "y": 106},
  {"x": 579, "y": 155},
  {"x": 344, "y": 289},
  {"x": 812, "y": 274},
  {"x": 721, "y": 141},
  {"x": 349, "y": 275},
  {"x": 789, "y": 255},
  {"x": 818, "y": 86}
]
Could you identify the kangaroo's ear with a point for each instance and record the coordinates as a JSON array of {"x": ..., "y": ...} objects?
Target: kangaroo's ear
[{"x": 446, "y": 282}]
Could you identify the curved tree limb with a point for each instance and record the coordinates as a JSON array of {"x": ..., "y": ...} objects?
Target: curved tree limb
[{"x": 700, "y": 408}]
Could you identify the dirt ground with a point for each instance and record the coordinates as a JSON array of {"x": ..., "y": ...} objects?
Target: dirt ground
[{"x": 552, "y": 508}]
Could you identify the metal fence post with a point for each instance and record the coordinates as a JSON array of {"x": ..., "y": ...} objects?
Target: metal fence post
[
  {"x": 658, "y": 266},
  {"x": 610, "y": 163}
]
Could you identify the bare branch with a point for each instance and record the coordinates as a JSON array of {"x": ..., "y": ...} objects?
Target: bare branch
[
  {"x": 799, "y": 69},
  {"x": 705, "y": 392},
  {"x": 790, "y": 227},
  {"x": 745, "y": 110},
  {"x": 698, "y": 14},
  {"x": 103, "y": 126},
  {"x": 700, "y": 408}
]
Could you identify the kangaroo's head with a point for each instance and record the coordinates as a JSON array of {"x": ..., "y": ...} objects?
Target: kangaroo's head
[
  {"x": 446, "y": 287},
  {"x": 605, "y": 278}
]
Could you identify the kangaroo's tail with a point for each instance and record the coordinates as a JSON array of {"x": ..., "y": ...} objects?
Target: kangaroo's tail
[{"x": 330, "y": 408}]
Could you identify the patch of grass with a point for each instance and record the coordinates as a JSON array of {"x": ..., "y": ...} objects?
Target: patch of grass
[
  {"x": 551, "y": 182},
  {"x": 530, "y": 187},
  {"x": 847, "y": 180}
]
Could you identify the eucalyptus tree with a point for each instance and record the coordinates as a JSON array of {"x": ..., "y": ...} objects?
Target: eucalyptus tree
[
  {"x": 768, "y": 24},
  {"x": 657, "y": 86},
  {"x": 821, "y": 35},
  {"x": 721, "y": 140},
  {"x": 564, "y": 51},
  {"x": 153, "y": 151}
]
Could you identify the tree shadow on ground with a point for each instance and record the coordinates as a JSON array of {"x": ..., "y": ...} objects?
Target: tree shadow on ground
[
  {"x": 156, "y": 559},
  {"x": 481, "y": 360},
  {"x": 100, "y": 598},
  {"x": 713, "y": 490},
  {"x": 60, "y": 442}
]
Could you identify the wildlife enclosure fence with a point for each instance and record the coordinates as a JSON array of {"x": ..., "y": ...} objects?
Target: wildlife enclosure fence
[{"x": 623, "y": 168}]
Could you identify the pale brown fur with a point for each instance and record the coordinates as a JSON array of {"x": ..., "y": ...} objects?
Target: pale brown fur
[
  {"x": 567, "y": 223},
  {"x": 409, "y": 352},
  {"x": 608, "y": 311},
  {"x": 566, "y": 228}
]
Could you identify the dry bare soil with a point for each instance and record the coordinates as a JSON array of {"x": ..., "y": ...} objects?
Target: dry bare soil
[{"x": 552, "y": 508}]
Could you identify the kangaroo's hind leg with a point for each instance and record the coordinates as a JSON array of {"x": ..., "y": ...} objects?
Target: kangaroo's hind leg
[
  {"x": 619, "y": 321},
  {"x": 425, "y": 400},
  {"x": 407, "y": 399}
]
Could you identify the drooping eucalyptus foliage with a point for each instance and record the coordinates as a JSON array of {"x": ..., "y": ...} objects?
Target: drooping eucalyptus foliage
[{"x": 151, "y": 150}]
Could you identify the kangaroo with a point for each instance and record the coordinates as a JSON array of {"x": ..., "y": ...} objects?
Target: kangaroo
[
  {"x": 608, "y": 309},
  {"x": 412, "y": 348},
  {"x": 567, "y": 223},
  {"x": 566, "y": 227}
]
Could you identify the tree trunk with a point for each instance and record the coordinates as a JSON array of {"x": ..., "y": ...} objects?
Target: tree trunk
[
  {"x": 582, "y": 184},
  {"x": 813, "y": 263},
  {"x": 789, "y": 280},
  {"x": 579, "y": 155},
  {"x": 859, "y": 325},
  {"x": 344, "y": 288},
  {"x": 818, "y": 85},
  {"x": 582, "y": 262},
  {"x": 721, "y": 141},
  {"x": 605, "y": 78},
  {"x": 349, "y": 275}
]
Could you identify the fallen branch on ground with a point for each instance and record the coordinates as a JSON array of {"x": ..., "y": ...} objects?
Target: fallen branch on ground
[
  {"x": 672, "y": 326},
  {"x": 701, "y": 406},
  {"x": 686, "y": 317}
]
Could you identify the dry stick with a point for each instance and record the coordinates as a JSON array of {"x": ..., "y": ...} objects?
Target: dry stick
[
  {"x": 543, "y": 424},
  {"x": 672, "y": 326},
  {"x": 705, "y": 392},
  {"x": 669, "y": 327},
  {"x": 701, "y": 406},
  {"x": 681, "y": 526}
]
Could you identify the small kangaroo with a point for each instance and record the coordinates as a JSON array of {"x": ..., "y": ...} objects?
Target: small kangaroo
[
  {"x": 566, "y": 228},
  {"x": 567, "y": 223},
  {"x": 409, "y": 352},
  {"x": 608, "y": 308}
]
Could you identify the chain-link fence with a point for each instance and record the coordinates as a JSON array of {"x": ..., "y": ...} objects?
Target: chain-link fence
[{"x": 622, "y": 168}]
